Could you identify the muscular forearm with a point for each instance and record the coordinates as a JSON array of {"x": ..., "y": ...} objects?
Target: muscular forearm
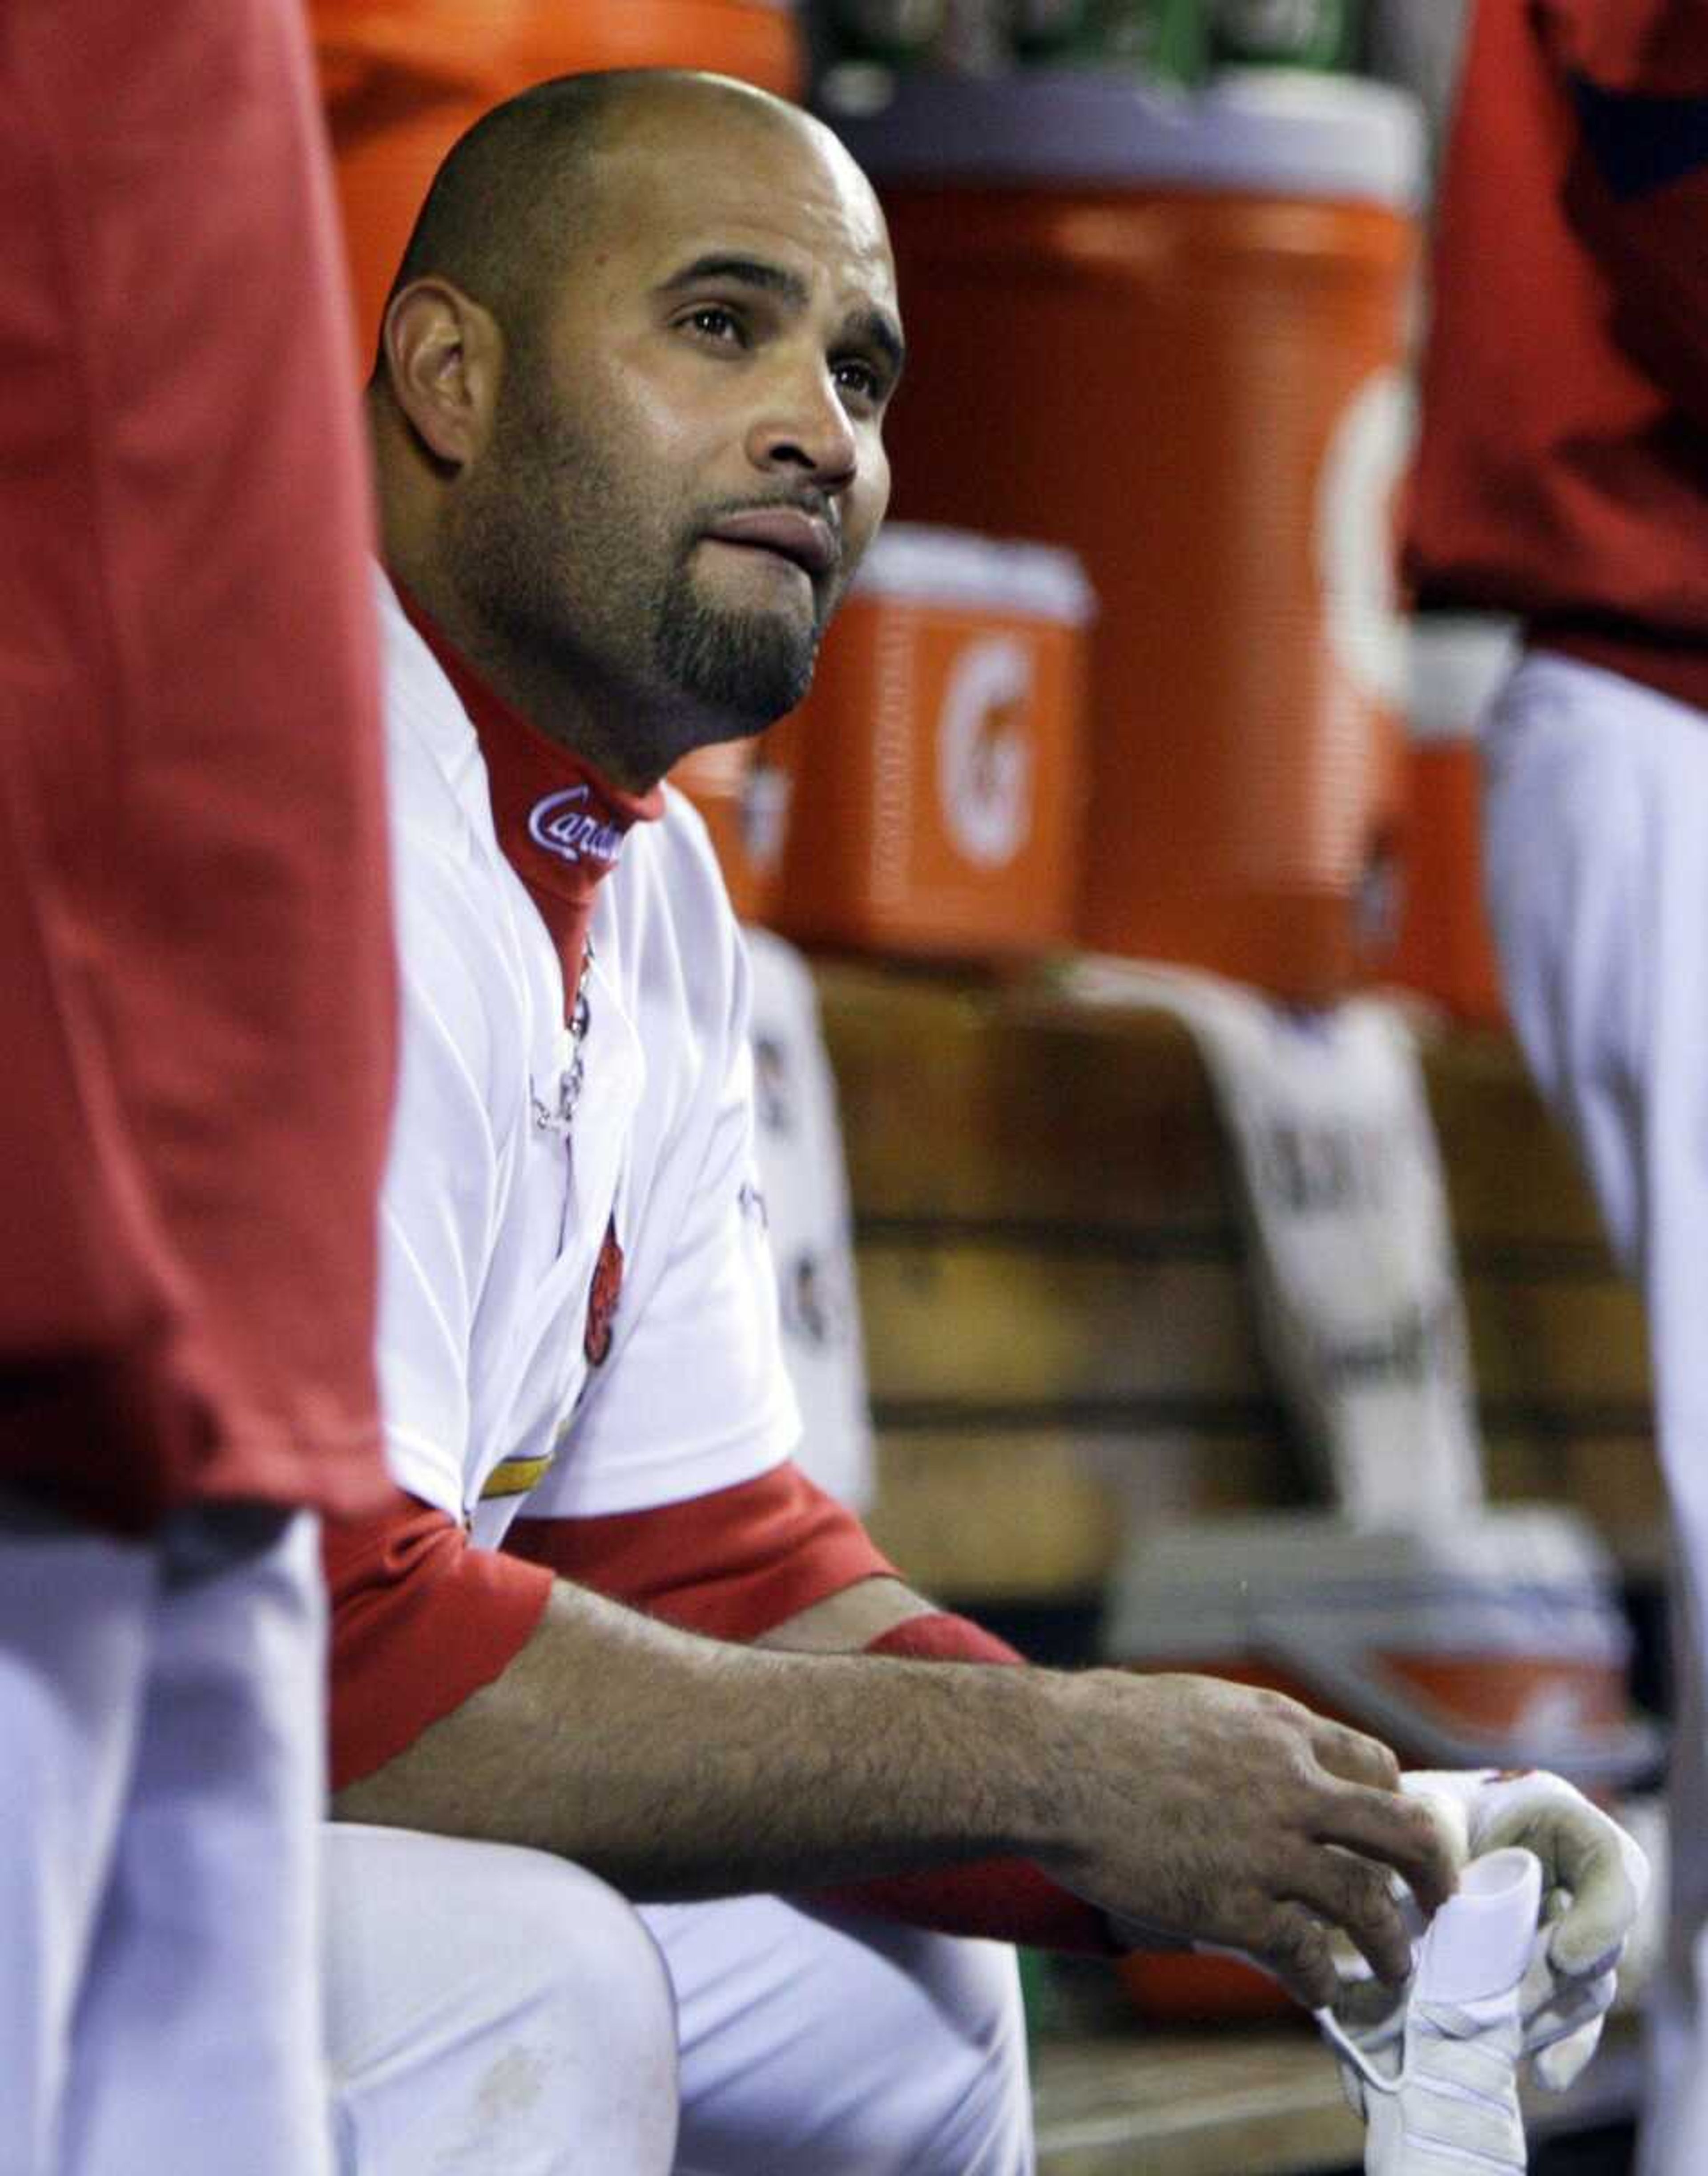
[{"x": 680, "y": 1767}]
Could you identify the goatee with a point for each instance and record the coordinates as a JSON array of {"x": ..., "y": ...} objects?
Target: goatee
[{"x": 747, "y": 666}]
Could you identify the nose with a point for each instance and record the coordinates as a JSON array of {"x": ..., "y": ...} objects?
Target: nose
[{"x": 801, "y": 427}]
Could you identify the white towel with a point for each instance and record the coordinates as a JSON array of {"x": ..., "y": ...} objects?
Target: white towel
[
  {"x": 799, "y": 1140},
  {"x": 1357, "y": 1283}
]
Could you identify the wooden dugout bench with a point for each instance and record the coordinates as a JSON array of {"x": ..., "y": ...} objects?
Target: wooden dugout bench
[
  {"x": 1059, "y": 1329},
  {"x": 1245, "y": 2101},
  {"x": 1060, "y": 1345}
]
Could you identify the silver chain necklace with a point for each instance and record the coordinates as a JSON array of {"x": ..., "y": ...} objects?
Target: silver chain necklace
[{"x": 559, "y": 1120}]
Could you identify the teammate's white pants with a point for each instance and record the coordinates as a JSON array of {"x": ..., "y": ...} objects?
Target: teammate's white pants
[
  {"x": 495, "y": 2012},
  {"x": 1596, "y": 855},
  {"x": 161, "y": 1773}
]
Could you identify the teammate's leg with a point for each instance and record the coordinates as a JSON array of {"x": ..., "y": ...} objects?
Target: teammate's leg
[
  {"x": 828, "y": 2044},
  {"x": 1564, "y": 824},
  {"x": 74, "y": 1612},
  {"x": 180, "y": 554},
  {"x": 1598, "y": 856},
  {"x": 490, "y": 2009},
  {"x": 198, "y": 2036}
]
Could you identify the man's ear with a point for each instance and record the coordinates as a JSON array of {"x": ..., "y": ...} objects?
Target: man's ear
[{"x": 441, "y": 354}]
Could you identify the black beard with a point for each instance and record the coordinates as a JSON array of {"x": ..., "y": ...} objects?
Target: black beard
[
  {"x": 668, "y": 669},
  {"x": 747, "y": 668}
]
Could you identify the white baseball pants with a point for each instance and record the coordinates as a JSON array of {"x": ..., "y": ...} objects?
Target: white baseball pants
[
  {"x": 161, "y": 1777},
  {"x": 1596, "y": 860},
  {"x": 497, "y": 2012}
]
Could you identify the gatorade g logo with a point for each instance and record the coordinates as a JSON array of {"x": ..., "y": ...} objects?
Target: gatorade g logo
[
  {"x": 564, "y": 825},
  {"x": 984, "y": 751},
  {"x": 1361, "y": 472}
]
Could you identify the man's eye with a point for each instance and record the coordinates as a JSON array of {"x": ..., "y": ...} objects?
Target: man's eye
[
  {"x": 859, "y": 378},
  {"x": 715, "y": 323}
]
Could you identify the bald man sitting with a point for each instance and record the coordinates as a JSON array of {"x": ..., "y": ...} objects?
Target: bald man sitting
[{"x": 608, "y": 1649}]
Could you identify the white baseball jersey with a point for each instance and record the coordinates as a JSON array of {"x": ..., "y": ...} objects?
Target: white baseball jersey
[
  {"x": 494, "y": 1226},
  {"x": 493, "y": 1216}
]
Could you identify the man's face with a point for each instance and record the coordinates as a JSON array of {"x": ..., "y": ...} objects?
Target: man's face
[{"x": 687, "y": 462}]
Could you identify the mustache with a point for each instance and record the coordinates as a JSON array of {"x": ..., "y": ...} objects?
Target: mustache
[{"x": 817, "y": 504}]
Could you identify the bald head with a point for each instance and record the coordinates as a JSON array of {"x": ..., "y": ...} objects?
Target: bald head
[{"x": 521, "y": 190}]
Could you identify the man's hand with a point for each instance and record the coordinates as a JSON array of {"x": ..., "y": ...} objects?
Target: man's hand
[
  {"x": 1595, "y": 1878},
  {"x": 1216, "y": 1813}
]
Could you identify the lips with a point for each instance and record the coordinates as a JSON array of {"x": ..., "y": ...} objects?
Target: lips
[{"x": 803, "y": 538}]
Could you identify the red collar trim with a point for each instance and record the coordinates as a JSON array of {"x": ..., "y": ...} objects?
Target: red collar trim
[{"x": 561, "y": 825}]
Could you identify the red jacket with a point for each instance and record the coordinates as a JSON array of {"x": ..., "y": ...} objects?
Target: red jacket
[
  {"x": 196, "y": 997},
  {"x": 1563, "y": 471}
]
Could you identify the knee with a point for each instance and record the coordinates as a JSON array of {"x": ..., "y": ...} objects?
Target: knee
[
  {"x": 496, "y": 2004},
  {"x": 593, "y": 1969},
  {"x": 602, "y": 2009}
]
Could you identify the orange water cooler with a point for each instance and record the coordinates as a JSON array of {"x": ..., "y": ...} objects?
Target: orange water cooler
[
  {"x": 1168, "y": 333},
  {"x": 403, "y": 79},
  {"x": 742, "y": 792},
  {"x": 935, "y": 773},
  {"x": 1444, "y": 948}
]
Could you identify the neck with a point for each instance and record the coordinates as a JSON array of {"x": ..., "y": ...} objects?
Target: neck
[
  {"x": 561, "y": 823},
  {"x": 580, "y": 709}
]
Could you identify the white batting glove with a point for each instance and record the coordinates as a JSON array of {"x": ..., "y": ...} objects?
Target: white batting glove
[
  {"x": 1595, "y": 1878},
  {"x": 1436, "y": 2082}
]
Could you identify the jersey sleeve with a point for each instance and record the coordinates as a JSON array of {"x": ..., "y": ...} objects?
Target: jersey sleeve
[
  {"x": 420, "y": 1620},
  {"x": 732, "y": 1564},
  {"x": 694, "y": 1395}
]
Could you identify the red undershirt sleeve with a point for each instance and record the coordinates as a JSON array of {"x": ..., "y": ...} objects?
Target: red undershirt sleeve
[
  {"x": 730, "y": 1564},
  {"x": 420, "y": 1620}
]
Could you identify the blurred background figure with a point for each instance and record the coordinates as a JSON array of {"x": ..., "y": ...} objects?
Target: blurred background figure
[
  {"x": 1563, "y": 477},
  {"x": 196, "y": 999}
]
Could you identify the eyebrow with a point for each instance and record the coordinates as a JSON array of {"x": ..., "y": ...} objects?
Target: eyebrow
[
  {"x": 881, "y": 330},
  {"x": 873, "y": 325}
]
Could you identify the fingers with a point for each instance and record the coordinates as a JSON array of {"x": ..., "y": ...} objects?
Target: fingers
[
  {"x": 1261, "y": 1826},
  {"x": 1400, "y": 1832},
  {"x": 1294, "y": 1947},
  {"x": 1359, "y": 1898},
  {"x": 1582, "y": 1851},
  {"x": 1588, "y": 1859},
  {"x": 1351, "y": 1756}
]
